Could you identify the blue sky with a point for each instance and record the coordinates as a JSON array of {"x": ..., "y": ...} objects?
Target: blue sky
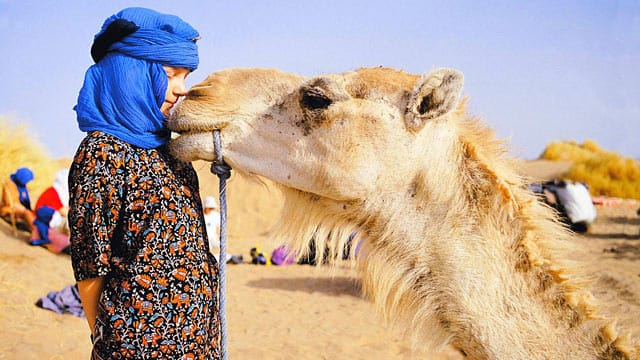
[{"x": 534, "y": 71}]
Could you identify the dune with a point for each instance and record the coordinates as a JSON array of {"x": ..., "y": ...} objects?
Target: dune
[
  {"x": 542, "y": 170},
  {"x": 295, "y": 311}
]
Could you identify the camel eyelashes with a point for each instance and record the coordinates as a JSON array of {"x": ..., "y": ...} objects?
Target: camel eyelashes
[
  {"x": 313, "y": 100},
  {"x": 198, "y": 91}
]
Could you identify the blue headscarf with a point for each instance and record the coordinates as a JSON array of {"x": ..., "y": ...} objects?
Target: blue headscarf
[
  {"x": 43, "y": 218},
  {"x": 122, "y": 93},
  {"x": 21, "y": 177}
]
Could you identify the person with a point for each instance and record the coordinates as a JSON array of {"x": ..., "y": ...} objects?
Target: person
[
  {"x": 21, "y": 178},
  {"x": 47, "y": 236},
  {"x": 50, "y": 226},
  {"x": 56, "y": 196},
  {"x": 15, "y": 204},
  {"x": 578, "y": 205},
  {"x": 573, "y": 203},
  {"x": 147, "y": 283},
  {"x": 212, "y": 223}
]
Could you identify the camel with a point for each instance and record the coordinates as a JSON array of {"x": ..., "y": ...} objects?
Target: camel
[{"x": 455, "y": 249}]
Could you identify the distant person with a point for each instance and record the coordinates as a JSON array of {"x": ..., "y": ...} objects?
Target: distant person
[
  {"x": 51, "y": 228},
  {"x": 212, "y": 222},
  {"x": 45, "y": 235},
  {"x": 57, "y": 197},
  {"x": 574, "y": 204},
  {"x": 15, "y": 204},
  {"x": 21, "y": 178},
  {"x": 147, "y": 282}
]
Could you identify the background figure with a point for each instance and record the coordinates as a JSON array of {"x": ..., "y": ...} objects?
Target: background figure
[
  {"x": 21, "y": 178},
  {"x": 15, "y": 204},
  {"x": 57, "y": 197},
  {"x": 46, "y": 235},
  {"x": 573, "y": 203},
  {"x": 212, "y": 222},
  {"x": 51, "y": 228}
]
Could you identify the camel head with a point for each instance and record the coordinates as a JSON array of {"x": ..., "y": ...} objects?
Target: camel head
[
  {"x": 340, "y": 136},
  {"x": 454, "y": 246}
]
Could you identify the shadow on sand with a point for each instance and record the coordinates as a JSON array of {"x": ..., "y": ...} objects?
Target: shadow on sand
[
  {"x": 623, "y": 220},
  {"x": 20, "y": 232},
  {"x": 624, "y": 251},
  {"x": 613, "y": 236},
  {"x": 333, "y": 286}
]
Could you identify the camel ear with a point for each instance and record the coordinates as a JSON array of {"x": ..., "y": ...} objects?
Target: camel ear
[{"x": 436, "y": 93}]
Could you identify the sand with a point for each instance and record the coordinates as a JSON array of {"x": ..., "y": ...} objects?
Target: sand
[{"x": 296, "y": 311}]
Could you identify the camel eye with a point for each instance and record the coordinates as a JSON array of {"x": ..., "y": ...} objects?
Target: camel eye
[{"x": 313, "y": 100}]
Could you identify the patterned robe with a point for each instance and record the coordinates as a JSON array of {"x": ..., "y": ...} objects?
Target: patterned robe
[{"x": 136, "y": 219}]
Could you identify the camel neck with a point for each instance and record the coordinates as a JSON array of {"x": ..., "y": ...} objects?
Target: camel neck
[{"x": 491, "y": 281}]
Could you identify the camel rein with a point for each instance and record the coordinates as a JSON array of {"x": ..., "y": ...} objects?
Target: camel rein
[{"x": 220, "y": 168}]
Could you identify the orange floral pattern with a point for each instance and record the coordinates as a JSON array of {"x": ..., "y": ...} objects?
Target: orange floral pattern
[{"x": 136, "y": 219}]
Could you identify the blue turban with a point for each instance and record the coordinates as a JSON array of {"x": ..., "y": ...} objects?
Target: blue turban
[{"x": 124, "y": 90}]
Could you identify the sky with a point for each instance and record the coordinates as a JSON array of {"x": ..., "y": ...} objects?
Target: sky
[{"x": 535, "y": 71}]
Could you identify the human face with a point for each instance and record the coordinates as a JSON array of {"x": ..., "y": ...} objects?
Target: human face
[{"x": 175, "y": 87}]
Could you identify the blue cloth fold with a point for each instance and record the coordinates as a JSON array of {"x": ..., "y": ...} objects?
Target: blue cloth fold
[
  {"x": 43, "y": 218},
  {"x": 123, "y": 92},
  {"x": 64, "y": 301}
]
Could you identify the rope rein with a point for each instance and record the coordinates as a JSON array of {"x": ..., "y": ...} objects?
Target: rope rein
[{"x": 220, "y": 168}]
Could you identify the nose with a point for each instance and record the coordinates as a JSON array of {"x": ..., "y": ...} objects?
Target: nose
[{"x": 180, "y": 89}]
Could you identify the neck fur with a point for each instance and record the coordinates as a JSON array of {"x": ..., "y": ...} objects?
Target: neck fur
[{"x": 472, "y": 259}]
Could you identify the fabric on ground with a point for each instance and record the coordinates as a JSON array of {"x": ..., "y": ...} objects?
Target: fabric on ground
[{"x": 64, "y": 301}]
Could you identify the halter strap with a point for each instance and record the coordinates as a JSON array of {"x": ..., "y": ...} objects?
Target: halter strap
[{"x": 220, "y": 168}]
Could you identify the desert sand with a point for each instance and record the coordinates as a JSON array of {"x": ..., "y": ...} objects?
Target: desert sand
[{"x": 295, "y": 311}]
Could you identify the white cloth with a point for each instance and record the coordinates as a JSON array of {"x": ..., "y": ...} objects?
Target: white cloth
[
  {"x": 56, "y": 220},
  {"x": 210, "y": 202},
  {"x": 577, "y": 202},
  {"x": 61, "y": 184},
  {"x": 212, "y": 222}
]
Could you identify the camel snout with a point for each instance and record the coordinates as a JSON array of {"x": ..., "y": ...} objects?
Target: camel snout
[{"x": 193, "y": 146}]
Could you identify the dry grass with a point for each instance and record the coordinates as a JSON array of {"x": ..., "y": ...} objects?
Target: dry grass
[
  {"x": 18, "y": 148},
  {"x": 607, "y": 173}
]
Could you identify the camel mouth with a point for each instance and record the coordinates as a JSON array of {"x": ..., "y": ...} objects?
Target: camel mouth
[
  {"x": 192, "y": 136},
  {"x": 184, "y": 124},
  {"x": 192, "y": 145},
  {"x": 184, "y": 133}
]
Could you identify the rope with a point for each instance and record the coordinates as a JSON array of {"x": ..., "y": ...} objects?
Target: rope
[{"x": 220, "y": 168}]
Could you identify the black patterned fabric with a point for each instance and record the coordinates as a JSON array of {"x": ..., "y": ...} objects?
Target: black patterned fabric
[{"x": 136, "y": 219}]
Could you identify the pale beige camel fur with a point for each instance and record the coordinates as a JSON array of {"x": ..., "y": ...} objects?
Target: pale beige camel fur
[{"x": 455, "y": 248}]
